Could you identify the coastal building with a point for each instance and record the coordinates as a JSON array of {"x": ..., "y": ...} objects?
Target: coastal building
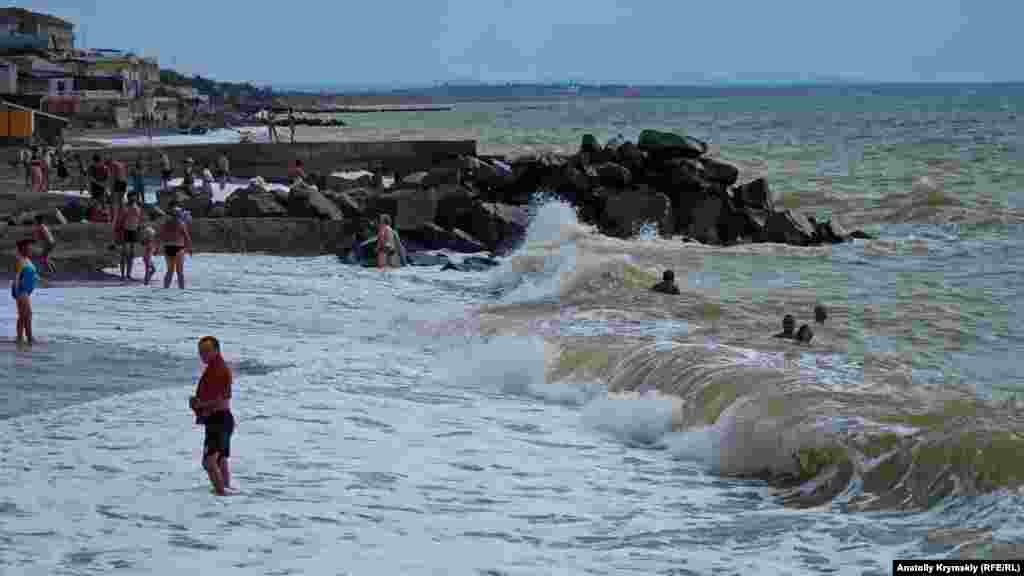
[
  {"x": 33, "y": 30},
  {"x": 20, "y": 125}
]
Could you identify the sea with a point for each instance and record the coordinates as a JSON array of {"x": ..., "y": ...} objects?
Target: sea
[{"x": 553, "y": 415}]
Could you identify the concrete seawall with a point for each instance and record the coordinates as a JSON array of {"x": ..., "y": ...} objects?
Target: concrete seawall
[
  {"x": 272, "y": 160},
  {"x": 82, "y": 246}
]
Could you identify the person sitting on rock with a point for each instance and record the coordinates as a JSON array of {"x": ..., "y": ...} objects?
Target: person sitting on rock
[
  {"x": 820, "y": 313},
  {"x": 667, "y": 284},
  {"x": 788, "y": 326},
  {"x": 804, "y": 334}
]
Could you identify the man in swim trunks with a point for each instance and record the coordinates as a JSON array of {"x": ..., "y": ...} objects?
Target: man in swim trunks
[
  {"x": 128, "y": 221},
  {"x": 212, "y": 408},
  {"x": 24, "y": 284}
]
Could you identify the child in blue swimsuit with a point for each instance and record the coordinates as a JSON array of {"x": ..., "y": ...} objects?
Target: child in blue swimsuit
[{"x": 25, "y": 277}]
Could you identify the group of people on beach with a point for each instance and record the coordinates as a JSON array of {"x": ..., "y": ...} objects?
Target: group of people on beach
[{"x": 789, "y": 331}]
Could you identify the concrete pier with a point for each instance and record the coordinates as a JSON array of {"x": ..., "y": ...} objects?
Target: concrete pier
[{"x": 272, "y": 160}]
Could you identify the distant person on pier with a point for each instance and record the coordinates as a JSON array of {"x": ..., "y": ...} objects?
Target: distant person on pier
[
  {"x": 82, "y": 174},
  {"x": 291, "y": 123},
  {"x": 176, "y": 240},
  {"x": 208, "y": 180},
  {"x": 37, "y": 174},
  {"x": 138, "y": 179},
  {"x": 189, "y": 179},
  {"x": 165, "y": 170},
  {"x": 98, "y": 174},
  {"x": 25, "y": 161},
  {"x": 223, "y": 170},
  {"x": 667, "y": 284},
  {"x": 119, "y": 186},
  {"x": 788, "y": 327},
  {"x": 297, "y": 171}
]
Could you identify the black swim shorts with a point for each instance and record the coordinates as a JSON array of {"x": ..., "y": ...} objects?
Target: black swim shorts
[
  {"x": 219, "y": 427},
  {"x": 171, "y": 251},
  {"x": 130, "y": 237},
  {"x": 120, "y": 186}
]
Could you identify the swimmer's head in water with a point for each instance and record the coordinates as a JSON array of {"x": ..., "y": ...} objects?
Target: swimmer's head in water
[
  {"x": 788, "y": 324},
  {"x": 668, "y": 276},
  {"x": 820, "y": 314},
  {"x": 804, "y": 334},
  {"x": 209, "y": 347}
]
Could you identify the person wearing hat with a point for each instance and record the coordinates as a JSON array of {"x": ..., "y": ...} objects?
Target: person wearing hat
[{"x": 25, "y": 278}]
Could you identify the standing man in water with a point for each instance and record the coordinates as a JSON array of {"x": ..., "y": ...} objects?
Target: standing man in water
[
  {"x": 128, "y": 221},
  {"x": 387, "y": 246},
  {"x": 212, "y": 408}
]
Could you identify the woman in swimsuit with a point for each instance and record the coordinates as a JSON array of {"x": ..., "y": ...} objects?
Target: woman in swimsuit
[
  {"x": 21, "y": 290},
  {"x": 175, "y": 238},
  {"x": 385, "y": 242}
]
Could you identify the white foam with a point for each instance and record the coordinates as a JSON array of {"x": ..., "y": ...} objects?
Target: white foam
[{"x": 219, "y": 136}]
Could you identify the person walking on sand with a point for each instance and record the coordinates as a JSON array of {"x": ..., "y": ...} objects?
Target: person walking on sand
[
  {"x": 41, "y": 233},
  {"x": 387, "y": 246},
  {"x": 175, "y": 238},
  {"x": 211, "y": 406},
  {"x": 128, "y": 221},
  {"x": 47, "y": 166},
  {"x": 25, "y": 278}
]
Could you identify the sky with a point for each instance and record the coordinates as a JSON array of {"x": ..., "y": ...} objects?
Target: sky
[{"x": 423, "y": 42}]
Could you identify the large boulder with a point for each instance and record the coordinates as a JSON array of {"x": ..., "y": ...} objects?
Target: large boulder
[
  {"x": 350, "y": 202},
  {"x": 218, "y": 210},
  {"x": 718, "y": 171},
  {"x": 453, "y": 204},
  {"x": 789, "y": 227},
  {"x": 625, "y": 213},
  {"x": 410, "y": 208},
  {"x": 755, "y": 194},
  {"x": 199, "y": 204},
  {"x": 632, "y": 157},
  {"x": 614, "y": 175},
  {"x": 442, "y": 176},
  {"x": 415, "y": 180},
  {"x": 589, "y": 144},
  {"x": 430, "y": 236},
  {"x": 832, "y": 232},
  {"x": 308, "y": 202},
  {"x": 669, "y": 145},
  {"x": 498, "y": 226},
  {"x": 341, "y": 181},
  {"x": 254, "y": 202},
  {"x": 704, "y": 220}
]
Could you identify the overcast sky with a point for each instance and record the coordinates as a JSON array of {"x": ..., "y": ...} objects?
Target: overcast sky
[{"x": 409, "y": 42}]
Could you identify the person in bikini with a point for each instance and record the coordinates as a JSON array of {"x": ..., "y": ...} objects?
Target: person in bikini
[
  {"x": 41, "y": 233},
  {"x": 211, "y": 405},
  {"x": 129, "y": 219},
  {"x": 175, "y": 238},
  {"x": 386, "y": 244}
]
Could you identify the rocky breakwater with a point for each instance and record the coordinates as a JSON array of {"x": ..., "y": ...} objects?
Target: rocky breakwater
[{"x": 666, "y": 180}]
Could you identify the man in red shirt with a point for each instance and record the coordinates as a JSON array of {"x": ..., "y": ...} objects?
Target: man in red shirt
[{"x": 212, "y": 407}]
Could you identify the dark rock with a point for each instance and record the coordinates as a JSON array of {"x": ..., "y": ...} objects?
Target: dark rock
[
  {"x": 430, "y": 236},
  {"x": 254, "y": 202},
  {"x": 348, "y": 180},
  {"x": 789, "y": 227},
  {"x": 705, "y": 217},
  {"x": 165, "y": 196},
  {"x": 756, "y": 220},
  {"x": 861, "y": 235},
  {"x": 424, "y": 259},
  {"x": 347, "y": 202},
  {"x": 471, "y": 264},
  {"x": 218, "y": 210},
  {"x": 732, "y": 223},
  {"x": 755, "y": 194},
  {"x": 308, "y": 202},
  {"x": 718, "y": 171},
  {"x": 669, "y": 145},
  {"x": 454, "y": 203},
  {"x": 589, "y": 144},
  {"x": 410, "y": 207},
  {"x": 198, "y": 204},
  {"x": 498, "y": 226},
  {"x": 416, "y": 179},
  {"x": 625, "y": 213},
  {"x": 614, "y": 175},
  {"x": 631, "y": 157},
  {"x": 442, "y": 176},
  {"x": 469, "y": 243}
]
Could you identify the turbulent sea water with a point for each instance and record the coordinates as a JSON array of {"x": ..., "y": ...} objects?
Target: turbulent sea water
[{"x": 427, "y": 422}]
